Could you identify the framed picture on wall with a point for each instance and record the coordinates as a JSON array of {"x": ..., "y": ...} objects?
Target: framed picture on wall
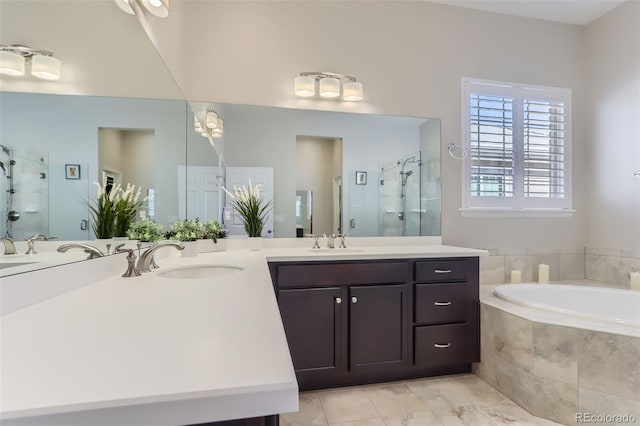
[
  {"x": 72, "y": 171},
  {"x": 361, "y": 178}
]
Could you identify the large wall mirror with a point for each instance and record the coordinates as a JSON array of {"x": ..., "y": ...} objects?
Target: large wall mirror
[
  {"x": 362, "y": 174},
  {"x": 116, "y": 111}
]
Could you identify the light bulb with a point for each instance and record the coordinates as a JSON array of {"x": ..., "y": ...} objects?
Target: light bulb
[
  {"x": 329, "y": 87},
  {"x": 304, "y": 86},
  {"x": 212, "y": 119},
  {"x": 46, "y": 67},
  {"x": 11, "y": 63},
  {"x": 219, "y": 129},
  {"x": 159, "y": 8},
  {"x": 352, "y": 91},
  {"x": 125, "y": 6}
]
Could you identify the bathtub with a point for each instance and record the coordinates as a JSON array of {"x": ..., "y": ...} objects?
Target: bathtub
[
  {"x": 596, "y": 303},
  {"x": 560, "y": 349}
]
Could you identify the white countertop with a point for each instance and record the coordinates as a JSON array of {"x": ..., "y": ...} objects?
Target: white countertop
[{"x": 157, "y": 351}]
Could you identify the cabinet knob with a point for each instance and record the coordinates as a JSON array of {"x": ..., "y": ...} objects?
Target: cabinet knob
[
  {"x": 442, "y": 346},
  {"x": 442, "y": 303},
  {"x": 338, "y": 300},
  {"x": 354, "y": 299}
]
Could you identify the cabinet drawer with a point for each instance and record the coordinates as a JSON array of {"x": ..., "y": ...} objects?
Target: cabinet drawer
[
  {"x": 314, "y": 274},
  {"x": 440, "y": 303},
  {"x": 442, "y": 344},
  {"x": 441, "y": 270}
]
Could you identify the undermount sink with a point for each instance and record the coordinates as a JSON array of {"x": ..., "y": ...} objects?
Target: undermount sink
[
  {"x": 200, "y": 271},
  {"x": 334, "y": 251},
  {"x": 4, "y": 265}
]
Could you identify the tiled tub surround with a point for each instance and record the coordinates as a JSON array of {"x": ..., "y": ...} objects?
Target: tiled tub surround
[
  {"x": 556, "y": 365},
  {"x": 608, "y": 266}
]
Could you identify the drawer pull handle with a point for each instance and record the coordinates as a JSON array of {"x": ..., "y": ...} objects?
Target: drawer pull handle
[
  {"x": 338, "y": 300},
  {"x": 442, "y": 303},
  {"x": 442, "y": 271},
  {"x": 442, "y": 346}
]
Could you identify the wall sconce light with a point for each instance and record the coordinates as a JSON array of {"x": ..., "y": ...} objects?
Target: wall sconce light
[
  {"x": 329, "y": 86},
  {"x": 159, "y": 8},
  {"x": 14, "y": 58}
]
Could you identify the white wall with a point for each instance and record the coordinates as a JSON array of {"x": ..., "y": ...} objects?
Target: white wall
[
  {"x": 266, "y": 137},
  {"x": 410, "y": 56},
  {"x": 613, "y": 136}
]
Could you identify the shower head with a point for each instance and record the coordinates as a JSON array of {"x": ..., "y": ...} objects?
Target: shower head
[
  {"x": 409, "y": 173},
  {"x": 5, "y": 149}
]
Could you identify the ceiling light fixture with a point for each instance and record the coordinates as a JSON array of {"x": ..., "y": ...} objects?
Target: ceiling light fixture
[
  {"x": 43, "y": 64},
  {"x": 212, "y": 119},
  {"x": 219, "y": 129},
  {"x": 328, "y": 84},
  {"x": 125, "y": 6},
  {"x": 213, "y": 125}
]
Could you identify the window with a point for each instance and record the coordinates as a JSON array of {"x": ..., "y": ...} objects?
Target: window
[{"x": 518, "y": 140}]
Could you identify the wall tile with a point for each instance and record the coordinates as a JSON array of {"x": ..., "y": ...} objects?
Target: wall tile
[
  {"x": 521, "y": 263},
  {"x": 595, "y": 267},
  {"x": 513, "y": 339},
  {"x": 484, "y": 369},
  {"x": 554, "y": 400},
  {"x": 571, "y": 266},
  {"x": 618, "y": 269},
  {"x": 514, "y": 382},
  {"x": 555, "y": 353},
  {"x": 492, "y": 270},
  {"x": 594, "y": 402},
  {"x": 549, "y": 259},
  {"x": 609, "y": 363}
]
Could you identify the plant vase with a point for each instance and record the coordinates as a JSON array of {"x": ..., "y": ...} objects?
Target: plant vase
[
  {"x": 208, "y": 245},
  {"x": 255, "y": 243},
  {"x": 190, "y": 249}
]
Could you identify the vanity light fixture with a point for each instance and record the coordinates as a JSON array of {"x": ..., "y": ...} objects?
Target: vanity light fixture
[
  {"x": 328, "y": 84},
  {"x": 125, "y": 6},
  {"x": 212, "y": 119},
  {"x": 196, "y": 125},
  {"x": 219, "y": 129},
  {"x": 44, "y": 65}
]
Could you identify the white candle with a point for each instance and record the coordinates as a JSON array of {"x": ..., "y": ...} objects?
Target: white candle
[
  {"x": 516, "y": 276},
  {"x": 543, "y": 273},
  {"x": 635, "y": 280}
]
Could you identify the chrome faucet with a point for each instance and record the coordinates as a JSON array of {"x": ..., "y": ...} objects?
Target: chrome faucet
[
  {"x": 31, "y": 242},
  {"x": 131, "y": 271},
  {"x": 9, "y": 247},
  {"x": 342, "y": 237},
  {"x": 315, "y": 240},
  {"x": 93, "y": 252},
  {"x": 146, "y": 259},
  {"x": 330, "y": 240}
]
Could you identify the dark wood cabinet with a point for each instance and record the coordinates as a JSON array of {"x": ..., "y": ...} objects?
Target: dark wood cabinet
[
  {"x": 356, "y": 322},
  {"x": 312, "y": 319},
  {"x": 377, "y": 326}
]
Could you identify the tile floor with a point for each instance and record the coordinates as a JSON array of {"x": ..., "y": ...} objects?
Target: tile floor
[{"x": 442, "y": 401}]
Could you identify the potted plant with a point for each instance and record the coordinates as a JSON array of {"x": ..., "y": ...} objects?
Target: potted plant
[
  {"x": 252, "y": 207},
  {"x": 189, "y": 232},
  {"x": 102, "y": 213},
  {"x": 213, "y": 235},
  {"x": 114, "y": 210},
  {"x": 126, "y": 204},
  {"x": 145, "y": 230}
]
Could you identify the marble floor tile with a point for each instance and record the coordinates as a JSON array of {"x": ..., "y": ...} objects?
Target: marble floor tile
[
  {"x": 347, "y": 405},
  {"x": 310, "y": 413},
  {"x": 439, "y": 401},
  {"x": 395, "y": 399},
  {"x": 424, "y": 418}
]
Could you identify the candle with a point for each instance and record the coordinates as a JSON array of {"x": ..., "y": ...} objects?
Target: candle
[
  {"x": 516, "y": 276},
  {"x": 543, "y": 273},
  {"x": 635, "y": 280}
]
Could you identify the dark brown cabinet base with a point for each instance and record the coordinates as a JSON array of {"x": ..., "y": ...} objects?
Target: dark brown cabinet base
[{"x": 357, "y": 322}]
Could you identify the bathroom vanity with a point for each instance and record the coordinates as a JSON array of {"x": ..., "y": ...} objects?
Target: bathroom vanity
[
  {"x": 181, "y": 348},
  {"x": 363, "y": 321}
]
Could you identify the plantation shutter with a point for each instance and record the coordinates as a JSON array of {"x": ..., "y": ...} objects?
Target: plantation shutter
[
  {"x": 491, "y": 145},
  {"x": 518, "y": 142},
  {"x": 544, "y": 148}
]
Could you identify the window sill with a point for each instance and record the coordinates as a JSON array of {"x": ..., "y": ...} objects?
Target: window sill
[{"x": 511, "y": 212}]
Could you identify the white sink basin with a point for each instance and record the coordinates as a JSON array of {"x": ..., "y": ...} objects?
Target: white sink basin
[
  {"x": 333, "y": 251},
  {"x": 4, "y": 265},
  {"x": 194, "y": 272}
]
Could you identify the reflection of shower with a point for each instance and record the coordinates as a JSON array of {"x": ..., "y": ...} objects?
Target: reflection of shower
[
  {"x": 7, "y": 169},
  {"x": 404, "y": 176}
]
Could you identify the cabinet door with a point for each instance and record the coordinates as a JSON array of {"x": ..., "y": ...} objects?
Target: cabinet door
[
  {"x": 312, "y": 322},
  {"x": 378, "y": 326}
]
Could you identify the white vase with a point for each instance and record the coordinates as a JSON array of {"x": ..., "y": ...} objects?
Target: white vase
[
  {"x": 190, "y": 249},
  {"x": 208, "y": 246},
  {"x": 255, "y": 243}
]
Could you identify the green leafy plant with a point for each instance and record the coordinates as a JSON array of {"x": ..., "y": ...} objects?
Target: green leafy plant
[
  {"x": 113, "y": 212},
  {"x": 187, "y": 230},
  {"x": 145, "y": 230},
  {"x": 250, "y": 204},
  {"x": 212, "y": 230}
]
